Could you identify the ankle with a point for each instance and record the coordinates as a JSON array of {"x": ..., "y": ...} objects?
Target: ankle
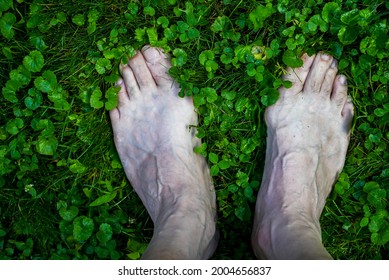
[
  {"x": 183, "y": 234},
  {"x": 291, "y": 238}
]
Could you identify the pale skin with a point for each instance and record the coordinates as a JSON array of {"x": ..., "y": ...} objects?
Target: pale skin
[{"x": 308, "y": 135}]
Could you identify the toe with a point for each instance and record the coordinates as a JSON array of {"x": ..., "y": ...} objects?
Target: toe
[
  {"x": 297, "y": 76},
  {"x": 142, "y": 72},
  {"x": 123, "y": 97},
  {"x": 348, "y": 114},
  {"x": 328, "y": 84},
  {"x": 116, "y": 121},
  {"x": 130, "y": 82},
  {"x": 339, "y": 92},
  {"x": 114, "y": 115},
  {"x": 318, "y": 73},
  {"x": 159, "y": 64}
]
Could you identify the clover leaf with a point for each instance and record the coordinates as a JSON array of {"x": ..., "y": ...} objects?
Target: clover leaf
[
  {"x": 291, "y": 59},
  {"x": 206, "y": 55},
  {"x": 243, "y": 213},
  {"x": 102, "y": 65},
  {"x": 34, "y": 100},
  {"x": 317, "y": 21},
  {"x": 45, "y": 124},
  {"x": 83, "y": 228},
  {"x": 377, "y": 198},
  {"x": 14, "y": 125},
  {"x": 47, "y": 144},
  {"x": 258, "y": 16},
  {"x": 164, "y": 21},
  {"x": 6, "y": 22},
  {"x": 132, "y": 11},
  {"x": 105, "y": 233},
  {"x": 79, "y": 19},
  {"x": 210, "y": 94},
  {"x": 382, "y": 237},
  {"x": 58, "y": 97},
  {"x": 10, "y": 89},
  {"x": 112, "y": 99},
  {"x": 47, "y": 82},
  {"x": 76, "y": 166},
  {"x": 133, "y": 8},
  {"x": 214, "y": 170},
  {"x": 68, "y": 214},
  {"x": 224, "y": 164},
  {"x": 149, "y": 11},
  {"x": 329, "y": 10},
  {"x": 152, "y": 35},
  {"x": 348, "y": 34},
  {"x": 61, "y": 16},
  {"x": 21, "y": 74},
  {"x": 95, "y": 99},
  {"x": 229, "y": 95},
  {"x": 5, "y": 5},
  {"x": 34, "y": 61},
  {"x": 269, "y": 96},
  {"x": 181, "y": 57},
  {"x": 38, "y": 43},
  {"x": 219, "y": 24},
  {"x": 241, "y": 104},
  {"x": 351, "y": 18},
  {"x": 34, "y": 21},
  {"x": 213, "y": 157},
  {"x": 93, "y": 16},
  {"x": 370, "y": 186}
]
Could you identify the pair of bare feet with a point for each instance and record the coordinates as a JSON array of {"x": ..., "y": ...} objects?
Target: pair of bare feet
[{"x": 308, "y": 135}]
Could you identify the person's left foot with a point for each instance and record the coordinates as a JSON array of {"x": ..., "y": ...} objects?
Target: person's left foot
[{"x": 154, "y": 136}]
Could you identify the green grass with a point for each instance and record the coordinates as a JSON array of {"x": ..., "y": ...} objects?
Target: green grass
[{"x": 63, "y": 193}]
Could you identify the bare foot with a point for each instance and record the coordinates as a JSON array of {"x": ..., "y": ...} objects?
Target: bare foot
[
  {"x": 308, "y": 136},
  {"x": 154, "y": 138}
]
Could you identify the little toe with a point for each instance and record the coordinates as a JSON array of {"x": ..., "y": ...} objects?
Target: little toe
[
  {"x": 339, "y": 92},
  {"x": 343, "y": 102},
  {"x": 348, "y": 115},
  {"x": 141, "y": 72},
  {"x": 159, "y": 64},
  {"x": 318, "y": 73},
  {"x": 123, "y": 97},
  {"x": 297, "y": 76},
  {"x": 114, "y": 115},
  {"x": 130, "y": 82}
]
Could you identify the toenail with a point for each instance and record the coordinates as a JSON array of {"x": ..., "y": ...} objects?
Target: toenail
[
  {"x": 119, "y": 82},
  {"x": 334, "y": 64},
  {"x": 343, "y": 80},
  {"x": 122, "y": 66},
  {"x": 325, "y": 56}
]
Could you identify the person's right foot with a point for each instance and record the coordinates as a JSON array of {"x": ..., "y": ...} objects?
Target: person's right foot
[
  {"x": 308, "y": 136},
  {"x": 154, "y": 135}
]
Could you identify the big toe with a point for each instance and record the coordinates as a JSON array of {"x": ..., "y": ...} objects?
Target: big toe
[
  {"x": 159, "y": 64},
  {"x": 321, "y": 76},
  {"x": 297, "y": 76}
]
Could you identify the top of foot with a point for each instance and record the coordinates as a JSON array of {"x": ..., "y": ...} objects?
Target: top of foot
[
  {"x": 315, "y": 114},
  {"x": 308, "y": 136},
  {"x": 154, "y": 136}
]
